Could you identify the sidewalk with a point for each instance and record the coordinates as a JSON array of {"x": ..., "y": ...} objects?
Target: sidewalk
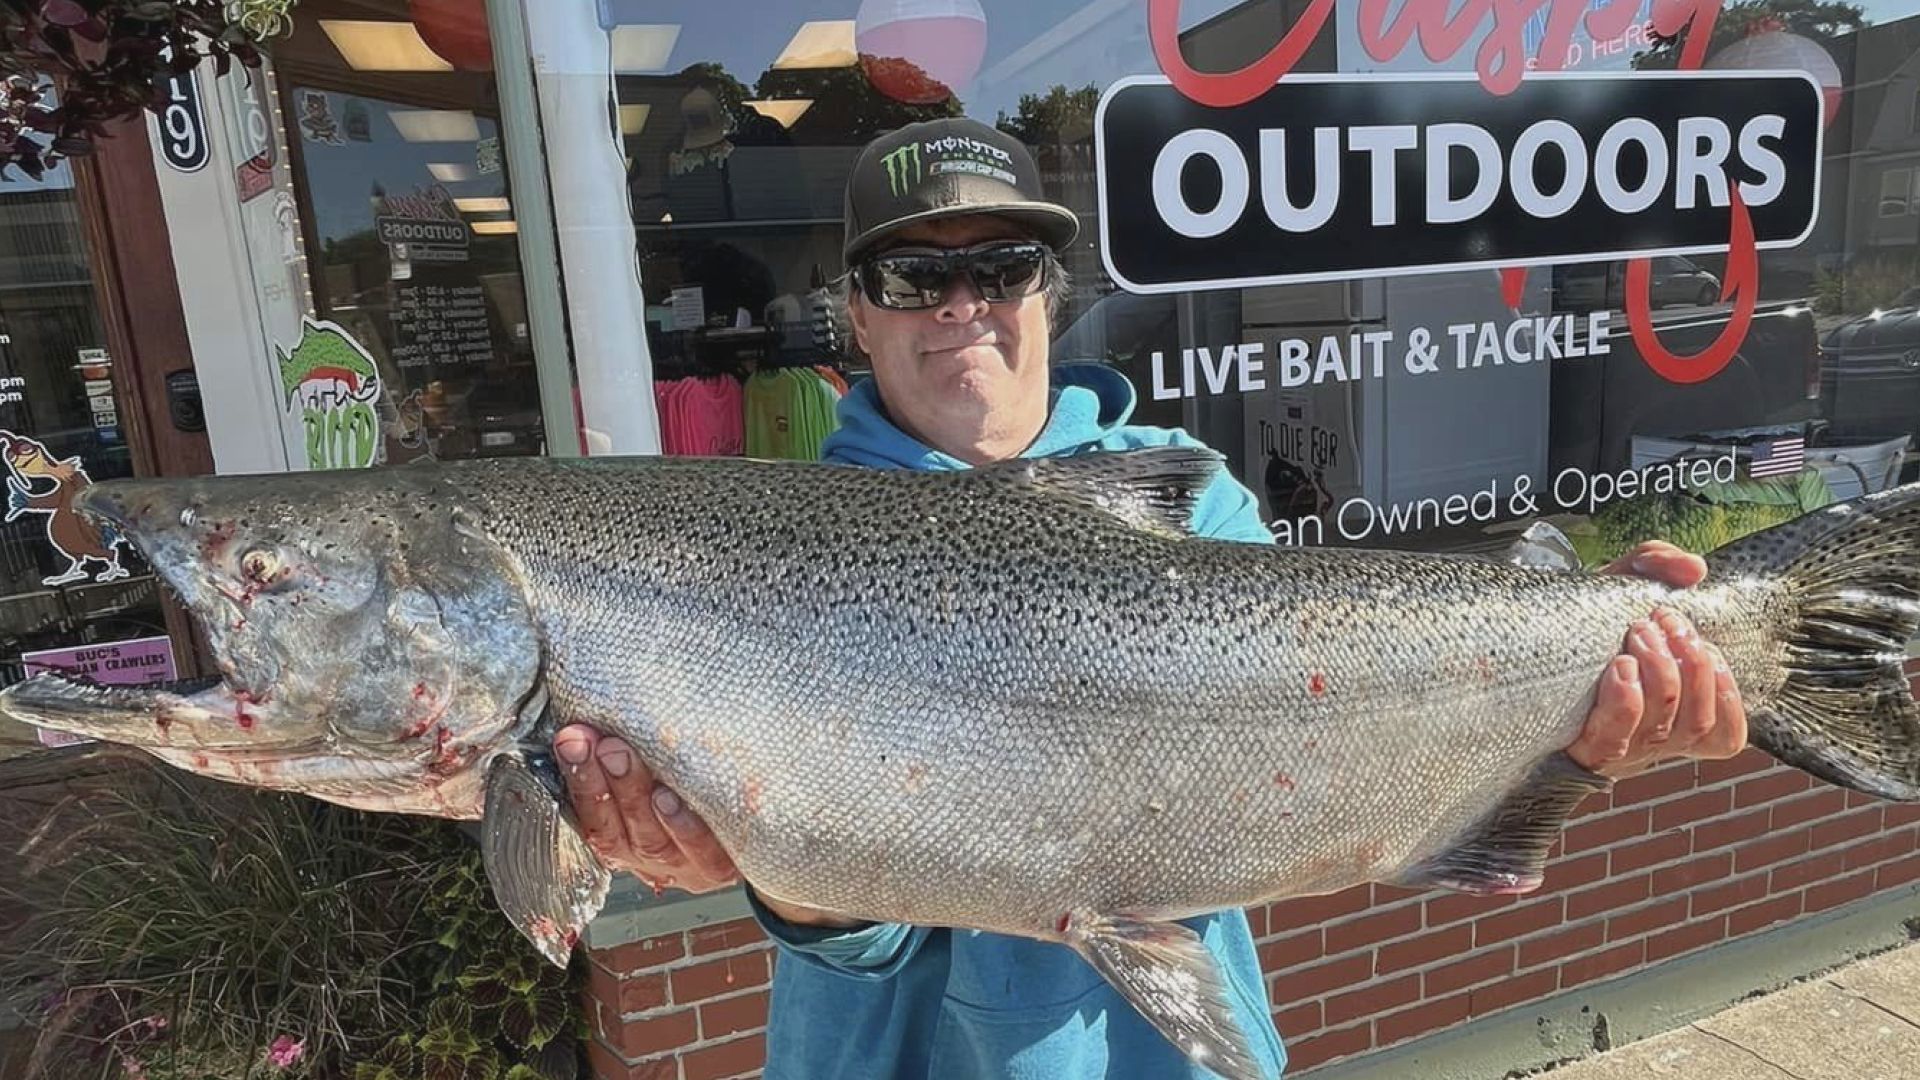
[{"x": 1858, "y": 1022}]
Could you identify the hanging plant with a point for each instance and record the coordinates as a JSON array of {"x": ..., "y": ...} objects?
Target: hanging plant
[{"x": 70, "y": 68}]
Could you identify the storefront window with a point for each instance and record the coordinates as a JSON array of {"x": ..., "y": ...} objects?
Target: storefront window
[
  {"x": 73, "y": 597},
  {"x": 415, "y": 339},
  {"x": 1560, "y": 372}
]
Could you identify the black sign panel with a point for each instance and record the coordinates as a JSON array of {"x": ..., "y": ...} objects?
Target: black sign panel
[
  {"x": 1328, "y": 178},
  {"x": 183, "y": 122}
]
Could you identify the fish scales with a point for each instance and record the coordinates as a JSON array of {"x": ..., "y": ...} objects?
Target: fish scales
[
  {"x": 1015, "y": 699},
  {"x": 851, "y": 653}
]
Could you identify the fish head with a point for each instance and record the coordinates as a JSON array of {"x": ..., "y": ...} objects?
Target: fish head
[{"x": 374, "y": 648}]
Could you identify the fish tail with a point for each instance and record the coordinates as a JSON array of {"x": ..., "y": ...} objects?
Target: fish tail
[{"x": 1852, "y": 579}]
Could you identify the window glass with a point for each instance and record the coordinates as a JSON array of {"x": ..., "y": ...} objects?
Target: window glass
[{"x": 1560, "y": 385}]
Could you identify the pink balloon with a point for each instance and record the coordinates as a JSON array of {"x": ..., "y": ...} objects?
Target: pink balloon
[{"x": 1777, "y": 50}]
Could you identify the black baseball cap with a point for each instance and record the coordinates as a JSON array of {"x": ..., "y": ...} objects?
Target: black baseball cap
[{"x": 946, "y": 168}]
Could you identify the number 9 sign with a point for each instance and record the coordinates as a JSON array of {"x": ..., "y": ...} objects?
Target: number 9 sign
[{"x": 183, "y": 123}]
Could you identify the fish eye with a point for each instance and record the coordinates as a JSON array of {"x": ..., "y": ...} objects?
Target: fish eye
[{"x": 260, "y": 566}]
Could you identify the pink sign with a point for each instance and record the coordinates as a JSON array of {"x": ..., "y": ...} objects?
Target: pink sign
[{"x": 134, "y": 662}]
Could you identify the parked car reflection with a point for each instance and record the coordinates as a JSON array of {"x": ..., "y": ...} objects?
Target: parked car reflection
[{"x": 1871, "y": 371}]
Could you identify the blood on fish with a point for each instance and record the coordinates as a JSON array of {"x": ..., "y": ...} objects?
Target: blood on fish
[
  {"x": 916, "y": 775},
  {"x": 1485, "y": 664},
  {"x": 165, "y": 724},
  {"x": 1316, "y": 684},
  {"x": 751, "y": 794},
  {"x": 245, "y": 718},
  {"x": 200, "y": 762},
  {"x": 1064, "y": 922},
  {"x": 1283, "y": 781}
]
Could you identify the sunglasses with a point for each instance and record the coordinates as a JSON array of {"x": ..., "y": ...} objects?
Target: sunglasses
[{"x": 915, "y": 279}]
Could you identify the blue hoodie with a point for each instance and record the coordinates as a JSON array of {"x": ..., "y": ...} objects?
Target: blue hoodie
[{"x": 896, "y": 1002}]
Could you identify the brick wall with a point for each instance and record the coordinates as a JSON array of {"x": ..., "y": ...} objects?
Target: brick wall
[{"x": 1670, "y": 862}]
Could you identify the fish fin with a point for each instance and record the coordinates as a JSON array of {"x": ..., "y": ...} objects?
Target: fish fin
[
  {"x": 1166, "y": 973},
  {"x": 1852, "y": 570},
  {"x": 1544, "y": 547},
  {"x": 545, "y": 877},
  {"x": 1154, "y": 489},
  {"x": 1506, "y": 851}
]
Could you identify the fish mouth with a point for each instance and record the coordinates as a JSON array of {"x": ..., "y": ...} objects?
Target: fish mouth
[{"x": 196, "y": 714}]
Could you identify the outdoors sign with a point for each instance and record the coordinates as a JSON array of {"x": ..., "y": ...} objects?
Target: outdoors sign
[{"x": 1331, "y": 177}]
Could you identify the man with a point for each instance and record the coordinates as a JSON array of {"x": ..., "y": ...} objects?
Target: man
[{"x": 954, "y": 276}]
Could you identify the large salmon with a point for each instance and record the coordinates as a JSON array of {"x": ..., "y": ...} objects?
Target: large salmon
[{"x": 1016, "y": 698}]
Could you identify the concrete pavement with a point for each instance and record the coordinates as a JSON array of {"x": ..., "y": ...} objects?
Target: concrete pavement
[{"x": 1858, "y": 1022}]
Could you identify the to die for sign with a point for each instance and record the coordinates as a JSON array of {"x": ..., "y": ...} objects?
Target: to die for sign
[{"x": 1331, "y": 177}]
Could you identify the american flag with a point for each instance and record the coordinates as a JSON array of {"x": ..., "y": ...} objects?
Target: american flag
[{"x": 1781, "y": 457}]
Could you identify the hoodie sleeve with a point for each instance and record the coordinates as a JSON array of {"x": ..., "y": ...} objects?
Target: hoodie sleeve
[
  {"x": 872, "y": 951},
  {"x": 1226, "y": 510}
]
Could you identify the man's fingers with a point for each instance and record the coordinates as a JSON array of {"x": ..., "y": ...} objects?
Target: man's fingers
[
  {"x": 1730, "y": 737},
  {"x": 631, "y": 786},
  {"x": 1617, "y": 704},
  {"x": 1649, "y": 643},
  {"x": 1662, "y": 562},
  {"x": 593, "y": 806},
  {"x": 1699, "y": 699},
  {"x": 695, "y": 840}
]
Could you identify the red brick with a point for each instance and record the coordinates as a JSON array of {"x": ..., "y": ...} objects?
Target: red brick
[
  {"x": 1751, "y": 760},
  {"x": 731, "y": 1016},
  {"x": 1693, "y": 872},
  {"x": 1731, "y": 830},
  {"x": 1902, "y": 814},
  {"x": 1419, "y": 1020},
  {"x": 1879, "y": 850},
  {"x": 1611, "y": 829},
  {"x": 1296, "y": 1022},
  {"x": 1806, "y": 872},
  {"x": 1729, "y": 894},
  {"x": 1658, "y": 784},
  {"x": 1774, "y": 785},
  {"x": 1840, "y": 891},
  {"x": 1849, "y": 827},
  {"x": 608, "y": 1066},
  {"x": 1451, "y": 907},
  {"x": 1685, "y": 939},
  {"x": 1897, "y": 873},
  {"x": 1304, "y": 911},
  {"x": 1563, "y": 943},
  {"x": 1696, "y": 807},
  {"x": 1425, "y": 949},
  {"x": 726, "y": 975},
  {"x": 624, "y": 997},
  {"x": 1257, "y": 920},
  {"x": 1748, "y": 919},
  {"x": 1644, "y": 853},
  {"x": 1602, "y": 964},
  {"x": 1573, "y": 873},
  {"x": 1372, "y": 929},
  {"x": 1860, "y": 798},
  {"x": 656, "y": 1034},
  {"x": 1372, "y": 1000},
  {"x": 1647, "y": 919},
  {"x": 1464, "y": 973},
  {"x": 1507, "y": 993},
  {"x": 1288, "y": 951},
  {"x": 724, "y": 936},
  {"x": 1315, "y": 982},
  {"x": 1771, "y": 850},
  {"x": 1822, "y": 803},
  {"x": 640, "y": 955},
  {"x": 1608, "y": 897},
  {"x": 1326, "y": 1047},
  {"x": 727, "y": 1059},
  {"x": 1597, "y": 803},
  {"x": 1524, "y": 919},
  {"x": 1384, "y": 894}
]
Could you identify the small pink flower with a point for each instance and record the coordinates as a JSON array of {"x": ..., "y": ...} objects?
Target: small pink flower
[
  {"x": 134, "y": 1069},
  {"x": 285, "y": 1051}
]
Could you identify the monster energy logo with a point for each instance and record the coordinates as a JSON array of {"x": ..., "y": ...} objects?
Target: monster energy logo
[{"x": 903, "y": 168}]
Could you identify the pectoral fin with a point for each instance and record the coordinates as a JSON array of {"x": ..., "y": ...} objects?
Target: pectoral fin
[
  {"x": 544, "y": 876},
  {"x": 1167, "y": 974},
  {"x": 1544, "y": 547},
  {"x": 1506, "y": 851}
]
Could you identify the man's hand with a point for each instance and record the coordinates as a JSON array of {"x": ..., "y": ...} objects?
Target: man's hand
[
  {"x": 634, "y": 824},
  {"x": 1669, "y": 693},
  {"x": 642, "y": 827}
]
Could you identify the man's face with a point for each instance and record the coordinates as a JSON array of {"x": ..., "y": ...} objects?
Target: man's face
[{"x": 966, "y": 371}]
